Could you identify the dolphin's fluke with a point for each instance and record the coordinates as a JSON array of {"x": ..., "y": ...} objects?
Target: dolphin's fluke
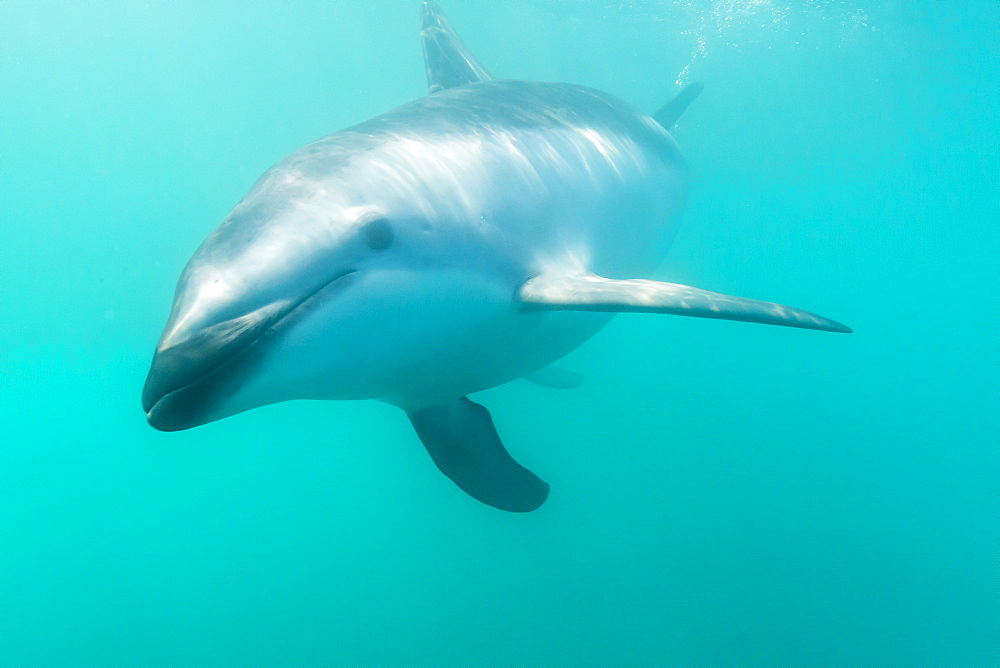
[
  {"x": 588, "y": 292},
  {"x": 668, "y": 114},
  {"x": 463, "y": 442},
  {"x": 449, "y": 61}
]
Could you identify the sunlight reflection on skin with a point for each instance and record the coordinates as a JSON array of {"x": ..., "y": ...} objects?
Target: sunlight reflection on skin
[
  {"x": 587, "y": 291},
  {"x": 301, "y": 211}
]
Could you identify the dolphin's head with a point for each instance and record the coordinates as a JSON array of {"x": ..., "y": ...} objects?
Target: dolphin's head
[{"x": 289, "y": 248}]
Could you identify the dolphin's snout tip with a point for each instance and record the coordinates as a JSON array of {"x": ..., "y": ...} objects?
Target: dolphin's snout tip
[
  {"x": 155, "y": 417},
  {"x": 151, "y": 419},
  {"x": 170, "y": 399},
  {"x": 171, "y": 414}
]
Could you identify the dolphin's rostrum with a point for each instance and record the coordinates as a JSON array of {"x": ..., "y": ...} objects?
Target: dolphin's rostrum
[{"x": 448, "y": 246}]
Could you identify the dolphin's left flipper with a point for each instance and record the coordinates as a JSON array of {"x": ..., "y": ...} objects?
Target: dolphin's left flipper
[
  {"x": 589, "y": 292},
  {"x": 463, "y": 442}
]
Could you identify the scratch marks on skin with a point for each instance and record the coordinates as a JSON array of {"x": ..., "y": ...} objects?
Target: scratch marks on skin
[
  {"x": 621, "y": 155},
  {"x": 593, "y": 149},
  {"x": 407, "y": 165}
]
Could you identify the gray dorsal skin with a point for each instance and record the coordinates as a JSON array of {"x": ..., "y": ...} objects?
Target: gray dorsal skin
[
  {"x": 556, "y": 378},
  {"x": 462, "y": 441},
  {"x": 448, "y": 60},
  {"x": 668, "y": 114},
  {"x": 588, "y": 292}
]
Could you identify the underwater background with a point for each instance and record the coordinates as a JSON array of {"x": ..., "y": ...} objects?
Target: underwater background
[{"x": 722, "y": 492}]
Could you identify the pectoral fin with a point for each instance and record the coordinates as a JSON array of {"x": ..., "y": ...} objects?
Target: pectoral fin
[
  {"x": 463, "y": 442},
  {"x": 588, "y": 292},
  {"x": 556, "y": 378}
]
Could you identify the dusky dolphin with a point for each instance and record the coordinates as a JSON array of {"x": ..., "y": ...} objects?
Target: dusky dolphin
[{"x": 453, "y": 244}]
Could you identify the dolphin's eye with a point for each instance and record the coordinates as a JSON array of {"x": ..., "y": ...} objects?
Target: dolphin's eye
[{"x": 378, "y": 233}]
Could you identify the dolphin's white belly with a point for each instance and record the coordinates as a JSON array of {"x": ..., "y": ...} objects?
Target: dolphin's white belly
[{"x": 412, "y": 338}]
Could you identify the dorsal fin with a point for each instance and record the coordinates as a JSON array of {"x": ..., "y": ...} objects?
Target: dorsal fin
[
  {"x": 668, "y": 114},
  {"x": 449, "y": 61}
]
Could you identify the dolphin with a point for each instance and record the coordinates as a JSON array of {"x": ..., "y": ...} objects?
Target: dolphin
[{"x": 461, "y": 241}]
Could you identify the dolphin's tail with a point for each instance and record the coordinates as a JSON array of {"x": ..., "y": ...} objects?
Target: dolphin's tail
[{"x": 668, "y": 114}]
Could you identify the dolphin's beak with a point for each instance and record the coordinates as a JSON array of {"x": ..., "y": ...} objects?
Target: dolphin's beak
[
  {"x": 195, "y": 366},
  {"x": 188, "y": 366}
]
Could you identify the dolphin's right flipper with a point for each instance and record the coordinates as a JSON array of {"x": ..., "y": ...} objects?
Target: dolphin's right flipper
[
  {"x": 589, "y": 292},
  {"x": 463, "y": 442},
  {"x": 556, "y": 378},
  {"x": 448, "y": 60}
]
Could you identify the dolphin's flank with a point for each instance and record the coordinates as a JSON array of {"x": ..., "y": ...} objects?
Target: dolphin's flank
[{"x": 461, "y": 241}]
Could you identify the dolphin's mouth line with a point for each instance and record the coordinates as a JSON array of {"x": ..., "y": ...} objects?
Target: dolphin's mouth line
[{"x": 262, "y": 333}]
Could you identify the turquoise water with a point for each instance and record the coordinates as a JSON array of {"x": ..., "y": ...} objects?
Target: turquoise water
[{"x": 722, "y": 493}]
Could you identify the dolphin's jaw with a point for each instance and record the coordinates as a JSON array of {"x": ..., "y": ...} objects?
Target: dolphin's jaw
[
  {"x": 413, "y": 338},
  {"x": 185, "y": 380}
]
